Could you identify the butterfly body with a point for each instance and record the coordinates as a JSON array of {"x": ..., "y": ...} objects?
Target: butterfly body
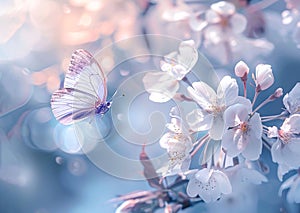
[
  {"x": 84, "y": 93},
  {"x": 102, "y": 108}
]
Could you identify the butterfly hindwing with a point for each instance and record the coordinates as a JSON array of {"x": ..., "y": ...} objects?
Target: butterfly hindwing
[{"x": 84, "y": 87}]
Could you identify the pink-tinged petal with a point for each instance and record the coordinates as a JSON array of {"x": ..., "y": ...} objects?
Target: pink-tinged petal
[
  {"x": 199, "y": 120},
  {"x": 203, "y": 175},
  {"x": 217, "y": 127},
  {"x": 241, "y": 69},
  {"x": 203, "y": 94},
  {"x": 253, "y": 147},
  {"x": 238, "y": 23},
  {"x": 223, "y": 182},
  {"x": 228, "y": 90},
  {"x": 193, "y": 187}
]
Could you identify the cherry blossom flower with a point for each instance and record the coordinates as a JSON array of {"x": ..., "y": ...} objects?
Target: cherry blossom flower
[
  {"x": 241, "y": 69},
  {"x": 212, "y": 106},
  {"x": 292, "y": 183},
  {"x": 291, "y": 100},
  {"x": 286, "y": 150},
  {"x": 209, "y": 184},
  {"x": 243, "y": 131},
  {"x": 178, "y": 143},
  {"x": 264, "y": 77},
  {"x": 162, "y": 86}
]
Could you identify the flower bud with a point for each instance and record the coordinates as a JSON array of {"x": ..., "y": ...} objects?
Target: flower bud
[
  {"x": 264, "y": 76},
  {"x": 277, "y": 94},
  {"x": 241, "y": 69}
]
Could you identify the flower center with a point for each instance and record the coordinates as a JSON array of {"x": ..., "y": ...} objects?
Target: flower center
[
  {"x": 224, "y": 21},
  {"x": 244, "y": 127},
  {"x": 284, "y": 136},
  {"x": 216, "y": 109}
]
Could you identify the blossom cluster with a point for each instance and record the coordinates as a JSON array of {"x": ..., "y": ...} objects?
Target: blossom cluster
[{"x": 225, "y": 127}]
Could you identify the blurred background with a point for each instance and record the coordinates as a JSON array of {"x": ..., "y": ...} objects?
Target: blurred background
[{"x": 42, "y": 166}]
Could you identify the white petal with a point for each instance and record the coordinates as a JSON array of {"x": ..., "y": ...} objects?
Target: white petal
[
  {"x": 238, "y": 23},
  {"x": 165, "y": 139},
  {"x": 282, "y": 170},
  {"x": 252, "y": 176},
  {"x": 160, "y": 85},
  {"x": 235, "y": 114},
  {"x": 228, "y": 89},
  {"x": 203, "y": 175},
  {"x": 199, "y": 120},
  {"x": 212, "y": 17},
  {"x": 292, "y": 99},
  {"x": 244, "y": 101},
  {"x": 223, "y": 182},
  {"x": 214, "y": 35},
  {"x": 223, "y": 8},
  {"x": 229, "y": 144},
  {"x": 264, "y": 76},
  {"x": 188, "y": 54},
  {"x": 255, "y": 126},
  {"x": 294, "y": 122},
  {"x": 297, "y": 189},
  {"x": 192, "y": 188},
  {"x": 254, "y": 147},
  {"x": 203, "y": 94},
  {"x": 217, "y": 128},
  {"x": 272, "y": 132},
  {"x": 286, "y": 184},
  {"x": 290, "y": 197}
]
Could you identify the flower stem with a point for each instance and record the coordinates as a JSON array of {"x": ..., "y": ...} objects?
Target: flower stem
[
  {"x": 254, "y": 98},
  {"x": 245, "y": 88},
  {"x": 199, "y": 144},
  {"x": 262, "y": 104}
]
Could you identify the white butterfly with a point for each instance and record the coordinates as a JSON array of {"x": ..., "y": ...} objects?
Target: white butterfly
[{"x": 84, "y": 93}]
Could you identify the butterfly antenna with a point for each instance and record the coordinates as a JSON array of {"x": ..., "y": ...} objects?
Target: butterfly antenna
[{"x": 122, "y": 95}]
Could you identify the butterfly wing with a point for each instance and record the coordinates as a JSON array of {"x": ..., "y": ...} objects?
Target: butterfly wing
[
  {"x": 86, "y": 75},
  {"x": 84, "y": 86}
]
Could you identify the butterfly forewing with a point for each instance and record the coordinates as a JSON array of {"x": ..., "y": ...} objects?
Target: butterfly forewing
[
  {"x": 84, "y": 87},
  {"x": 86, "y": 75}
]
